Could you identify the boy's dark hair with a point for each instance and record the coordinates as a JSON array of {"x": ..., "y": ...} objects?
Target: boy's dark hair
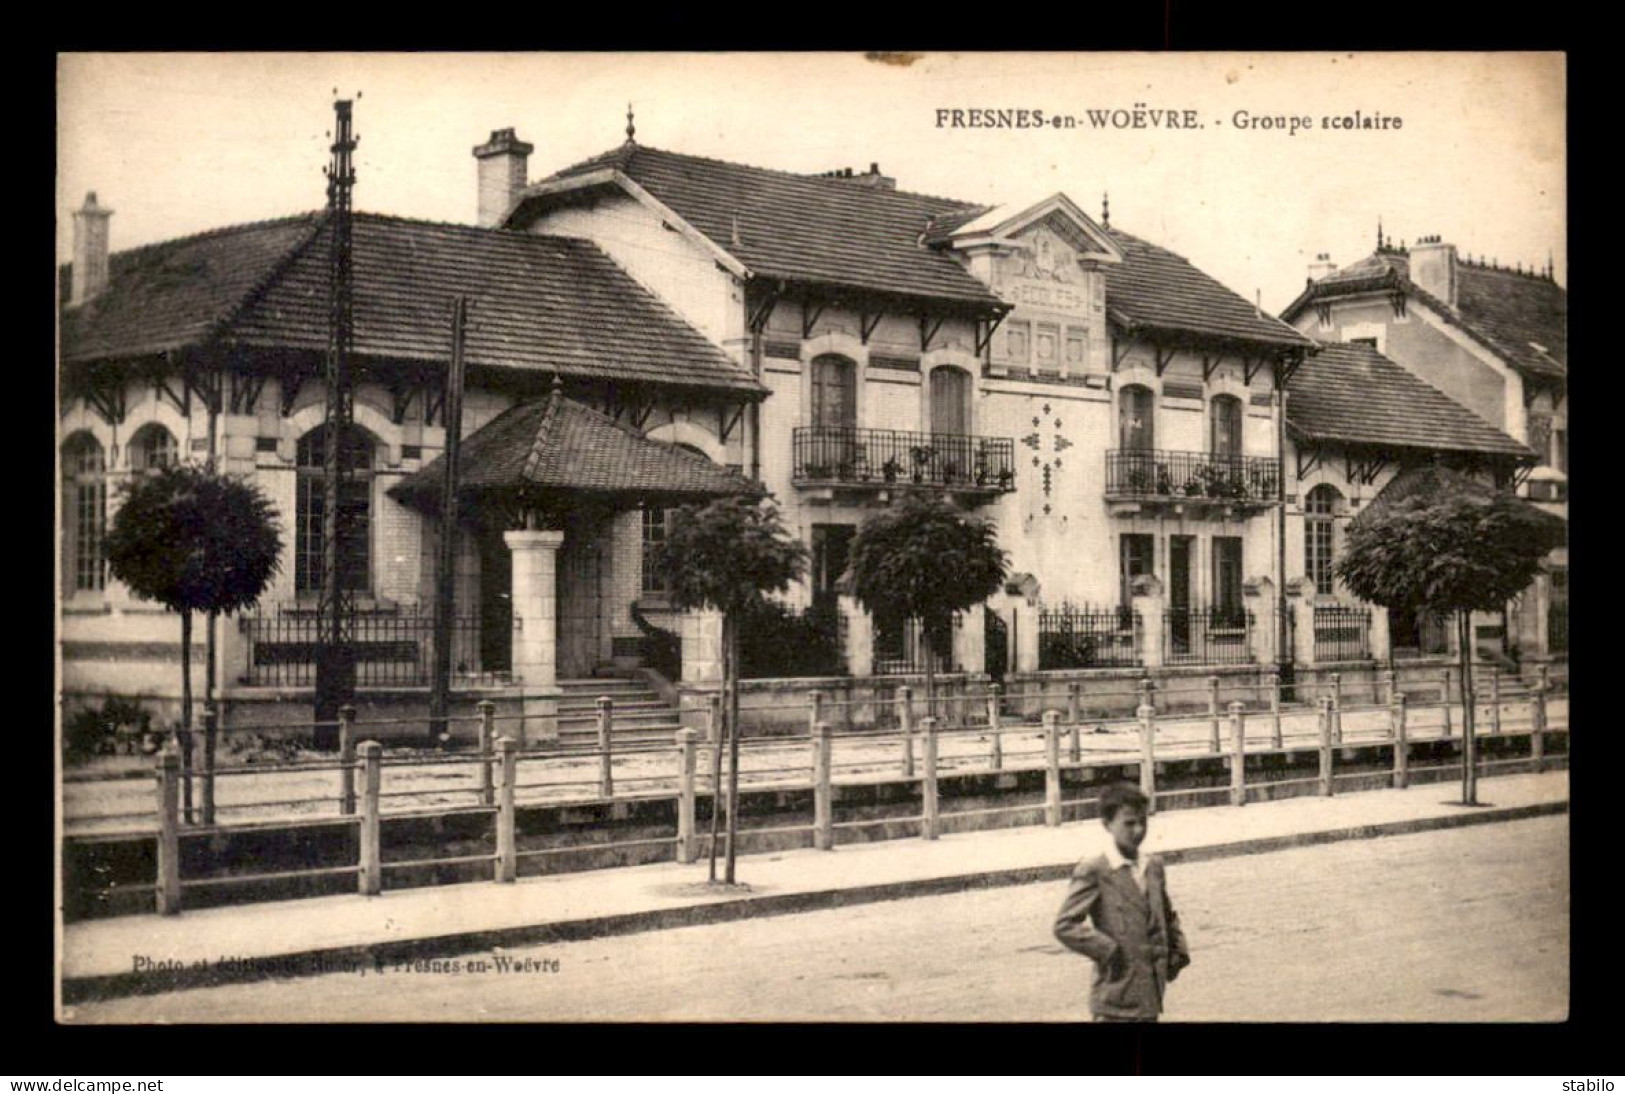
[{"x": 1118, "y": 796}]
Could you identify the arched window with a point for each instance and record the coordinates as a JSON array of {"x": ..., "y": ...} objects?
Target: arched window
[
  {"x": 1225, "y": 418},
  {"x": 834, "y": 392},
  {"x": 1136, "y": 413},
  {"x": 153, "y": 447},
  {"x": 1320, "y": 509},
  {"x": 354, "y": 511},
  {"x": 84, "y": 509}
]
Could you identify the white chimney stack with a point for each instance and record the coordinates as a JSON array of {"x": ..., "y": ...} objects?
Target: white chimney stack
[
  {"x": 1321, "y": 267},
  {"x": 1433, "y": 268},
  {"x": 502, "y": 162},
  {"x": 89, "y": 250}
]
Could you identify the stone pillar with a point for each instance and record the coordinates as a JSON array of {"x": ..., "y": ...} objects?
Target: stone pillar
[
  {"x": 1024, "y": 626},
  {"x": 1260, "y": 600},
  {"x": 969, "y": 640},
  {"x": 535, "y": 628},
  {"x": 860, "y": 637},
  {"x": 1148, "y": 601},
  {"x": 1303, "y": 630},
  {"x": 1381, "y": 642},
  {"x": 701, "y": 635}
]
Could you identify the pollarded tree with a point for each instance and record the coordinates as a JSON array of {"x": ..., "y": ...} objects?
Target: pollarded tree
[
  {"x": 1470, "y": 551},
  {"x": 726, "y": 556},
  {"x": 925, "y": 560},
  {"x": 195, "y": 540}
]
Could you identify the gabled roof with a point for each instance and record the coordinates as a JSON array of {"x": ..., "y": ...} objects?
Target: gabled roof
[
  {"x": 559, "y": 444},
  {"x": 537, "y": 303},
  {"x": 1158, "y": 291},
  {"x": 1520, "y": 317},
  {"x": 1351, "y": 394},
  {"x": 800, "y": 228}
]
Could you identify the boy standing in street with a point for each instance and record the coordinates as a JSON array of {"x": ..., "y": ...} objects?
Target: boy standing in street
[{"x": 1134, "y": 937}]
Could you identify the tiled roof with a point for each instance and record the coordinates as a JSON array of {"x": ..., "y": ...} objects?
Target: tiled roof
[
  {"x": 536, "y": 302},
  {"x": 1354, "y": 395},
  {"x": 1434, "y": 482},
  {"x": 558, "y": 444},
  {"x": 1157, "y": 290},
  {"x": 1521, "y": 317},
  {"x": 805, "y": 228}
]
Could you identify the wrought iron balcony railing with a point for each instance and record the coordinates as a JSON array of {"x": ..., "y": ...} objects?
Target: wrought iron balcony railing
[
  {"x": 1190, "y": 476},
  {"x": 880, "y": 457}
]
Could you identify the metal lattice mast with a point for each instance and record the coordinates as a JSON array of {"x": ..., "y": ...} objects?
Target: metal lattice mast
[{"x": 335, "y": 683}]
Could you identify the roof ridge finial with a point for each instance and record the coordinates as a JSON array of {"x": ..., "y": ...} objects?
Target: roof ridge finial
[
  {"x": 631, "y": 127},
  {"x": 1379, "y": 233},
  {"x": 1105, "y": 209}
]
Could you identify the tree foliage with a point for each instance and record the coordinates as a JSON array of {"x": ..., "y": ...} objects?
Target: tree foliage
[
  {"x": 1447, "y": 554},
  {"x": 195, "y": 540},
  {"x": 727, "y": 554},
  {"x": 926, "y": 560}
]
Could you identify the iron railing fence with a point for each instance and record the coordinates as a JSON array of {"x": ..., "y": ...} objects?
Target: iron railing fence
[
  {"x": 1208, "y": 636},
  {"x": 899, "y": 648},
  {"x": 841, "y": 454},
  {"x": 1151, "y": 473},
  {"x": 391, "y": 648},
  {"x": 1342, "y": 632},
  {"x": 1071, "y": 637}
]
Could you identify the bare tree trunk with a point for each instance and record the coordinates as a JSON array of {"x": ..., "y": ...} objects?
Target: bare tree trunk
[
  {"x": 731, "y": 699},
  {"x": 1469, "y": 743},
  {"x": 183, "y": 737},
  {"x": 210, "y": 726},
  {"x": 929, "y": 643},
  {"x": 719, "y": 734}
]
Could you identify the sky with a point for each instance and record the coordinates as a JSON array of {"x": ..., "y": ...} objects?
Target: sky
[{"x": 181, "y": 143}]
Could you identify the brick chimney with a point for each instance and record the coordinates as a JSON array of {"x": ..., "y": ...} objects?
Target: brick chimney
[
  {"x": 1321, "y": 266},
  {"x": 1433, "y": 268},
  {"x": 89, "y": 250},
  {"x": 502, "y": 162},
  {"x": 872, "y": 178}
]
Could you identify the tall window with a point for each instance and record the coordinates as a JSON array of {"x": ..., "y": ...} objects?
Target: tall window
[
  {"x": 1227, "y": 576},
  {"x": 656, "y": 523},
  {"x": 153, "y": 447},
  {"x": 834, "y": 392},
  {"x": 1225, "y": 413},
  {"x": 950, "y": 401},
  {"x": 354, "y": 511},
  {"x": 1319, "y": 510},
  {"x": 1136, "y": 558},
  {"x": 1135, "y": 412},
  {"x": 84, "y": 505}
]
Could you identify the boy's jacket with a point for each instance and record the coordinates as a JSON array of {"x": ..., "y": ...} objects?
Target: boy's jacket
[{"x": 1140, "y": 924}]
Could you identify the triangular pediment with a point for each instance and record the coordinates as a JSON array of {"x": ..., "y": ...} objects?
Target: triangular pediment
[{"x": 1042, "y": 228}]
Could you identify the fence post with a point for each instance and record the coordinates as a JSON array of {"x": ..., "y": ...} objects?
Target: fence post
[
  {"x": 995, "y": 727},
  {"x": 686, "y": 762},
  {"x": 928, "y": 781},
  {"x": 1146, "y": 688},
  {"x": 372, "y": 777},
  {"x": 905, "y": 718},
  {"x": 1445, "y": 679},
  {"x": 1148, "y": 772},
  {"x": 1390, "y": 685},
  {"x": 1325, "y": 746},
  {"x": 1337, "y": 708},
  {"x": 1213, "y": 713},
  {"x": 1074, "y": 718},
  {"x": 488, "y": 712},
  {"x": 1495, "y": 701},
  {"x": 606, "y": 725},
  {"x": 816, "y": 712},
  {"x": 347, "y": 759},
  {"x": 1276, "y": 740},
  {"x": 1537, "y": 722},
  {"x": 1402, "y": 747},
  {"x": 1052, "y": 768},
  {"x": 507, "y": 862},
  {"x": 168, "y": 888},
  {"x": 211, "y": 735},
  {"x": 1238, "y": 759},
  {"x": 713, "y": 720},
  {"x": 823, "y": 830}
]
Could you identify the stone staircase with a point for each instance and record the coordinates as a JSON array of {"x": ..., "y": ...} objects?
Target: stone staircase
[{"x": 641, "y": 716}]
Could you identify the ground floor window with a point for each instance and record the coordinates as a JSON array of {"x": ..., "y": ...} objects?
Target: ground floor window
[
  {"x": 354, "y": 531},
  {"x": 656, "y": 526},
  {"x": 1136, "y": 558},
  {"x": 84, "y": 469},
  {"x": 1227, "y": 575}
]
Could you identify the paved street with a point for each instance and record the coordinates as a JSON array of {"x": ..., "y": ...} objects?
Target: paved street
[{"x": 1465, "y": 925}]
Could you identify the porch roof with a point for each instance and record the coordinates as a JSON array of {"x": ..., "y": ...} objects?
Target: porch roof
[{"x": 557, "y": 444}]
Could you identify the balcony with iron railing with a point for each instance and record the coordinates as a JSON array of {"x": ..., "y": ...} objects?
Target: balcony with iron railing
[
  {"x": 1168, "y": 478},
  {"x": 841, "y": 456}
]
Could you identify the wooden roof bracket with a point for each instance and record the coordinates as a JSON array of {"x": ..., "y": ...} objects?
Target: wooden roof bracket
[
  {"x": 928, "y": 331},
  {"x": 400, "y": 399},
  {"x": 1210, "y": 365},
  {"x": 764, "y": 311},
  {"x": 984, "y": 332},
  {"x": 244, "y": 391},
  {"x": 1250, "y": 367},
  {"x": 810, "y": 314},
  {"x": 1286, "y": 365},
  {"x": 1164, "y": 358},
  {"x": 641, "y": 410},
  {"x": 867, "y": 324},
  {"x": 727, "y": 425},
  {"x": 1120, "y": 350},
  {"x": 1313, "y": 455}
]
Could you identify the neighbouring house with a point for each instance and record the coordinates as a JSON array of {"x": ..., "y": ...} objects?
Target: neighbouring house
[{"x": 1495, "y": 340}]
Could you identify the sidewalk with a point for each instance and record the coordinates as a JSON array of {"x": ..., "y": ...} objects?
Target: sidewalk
[{"x": 142, "y": 954}]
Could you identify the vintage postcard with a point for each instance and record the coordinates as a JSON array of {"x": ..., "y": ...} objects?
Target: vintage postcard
[{"x": 812, "y": 537}]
